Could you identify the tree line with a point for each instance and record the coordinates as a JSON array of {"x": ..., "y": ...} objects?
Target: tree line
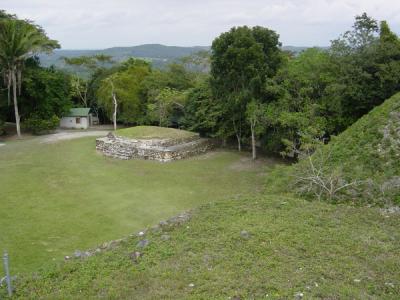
[{"x": 246, "y": 90}]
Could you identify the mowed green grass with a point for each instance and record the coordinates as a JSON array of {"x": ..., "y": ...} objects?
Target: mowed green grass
[
  {"x": 57, "y": 198},
  {"x": 154, "y": 132}
]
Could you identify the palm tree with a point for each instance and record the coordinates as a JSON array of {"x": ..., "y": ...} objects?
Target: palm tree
[{"x": 20, "y": 40}]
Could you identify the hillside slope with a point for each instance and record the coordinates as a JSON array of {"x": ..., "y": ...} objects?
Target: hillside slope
[
  {"x": 269, "y": 247},
  {"x": 366, "y": 154}
]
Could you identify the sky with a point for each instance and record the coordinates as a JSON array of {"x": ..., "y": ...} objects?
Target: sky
[{"x": 98, "y": 24}]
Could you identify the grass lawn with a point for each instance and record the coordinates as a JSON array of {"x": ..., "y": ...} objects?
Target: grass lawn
[
  {"x": 57, "y": 198},
  {"x": 154, "y": 132},
  {"x": 266, "y": 247}
]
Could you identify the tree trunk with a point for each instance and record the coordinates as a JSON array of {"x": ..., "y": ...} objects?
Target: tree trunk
[
  {"x": 253, "y": 142},
  {"x": 114, "y": 98},
  {"x": 14, "y": 84},
  {"x": 239, "y": 142},
  {"x": 9, "y": 79},
  {"x": 19, "y": 81},
  {"x": 238, "y": 133},
  {"x": 115, "y": 111}
]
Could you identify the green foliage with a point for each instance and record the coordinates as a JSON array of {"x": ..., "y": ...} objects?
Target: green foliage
[
  {"x": 367, "y": 152},
  {"x": 359, "y": 38},
  {"x": 321, "y": 93},
  {"x": 160, "y": 109},
  {"x": 38, "y": 126},
  {"x": 202, "y": 112},
  {"x": 90, "y": 62},
  {"x": 45, "y": 92},
  {"x": 367, "y": 72},
  {"x": 127, "y": 83},
  {"x": 242, "y": 60},
  {"x": 200, "y": 61},
  {"x": 19, "y": 40}
]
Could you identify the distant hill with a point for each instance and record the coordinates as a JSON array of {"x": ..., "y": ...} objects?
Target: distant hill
[{"x": 158, "y": 55}]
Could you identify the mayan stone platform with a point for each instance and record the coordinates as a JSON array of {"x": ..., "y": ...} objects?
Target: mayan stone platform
[{"x": 163, "y": 150}]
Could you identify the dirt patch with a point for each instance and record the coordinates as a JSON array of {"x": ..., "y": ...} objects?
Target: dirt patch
[
  {"x": 69, "y": 135},
  {"x": 247, "y": 163}
]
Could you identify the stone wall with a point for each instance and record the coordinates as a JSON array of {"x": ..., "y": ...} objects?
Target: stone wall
[{"x": 161, "y": 150}]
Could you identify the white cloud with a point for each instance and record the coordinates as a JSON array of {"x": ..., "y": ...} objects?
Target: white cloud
[{"x": 105, "y": 23}]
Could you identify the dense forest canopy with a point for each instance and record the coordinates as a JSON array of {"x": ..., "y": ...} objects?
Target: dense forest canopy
[{"x": 246, "y": 90}]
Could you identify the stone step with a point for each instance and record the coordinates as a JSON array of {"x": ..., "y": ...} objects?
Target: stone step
[{"x": 140, "y": 149}]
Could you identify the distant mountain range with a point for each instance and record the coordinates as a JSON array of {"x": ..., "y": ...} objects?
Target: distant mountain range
[{"x": 158, "y": 55}]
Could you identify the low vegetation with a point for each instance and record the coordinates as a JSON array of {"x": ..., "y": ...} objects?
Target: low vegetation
[
  {"x": 271, "y": 247},
  {"x": 38, "y": 126},
  {"x": 362, "y": 162},
  {"x": 154, "y": 132}
]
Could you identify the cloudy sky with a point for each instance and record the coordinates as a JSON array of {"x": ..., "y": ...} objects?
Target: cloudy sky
[{"x": 95, "y": 24}]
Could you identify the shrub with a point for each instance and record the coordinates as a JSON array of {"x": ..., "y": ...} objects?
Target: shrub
[
  {"x": 316, "y": 176},
  {"x": 38, "y": 125}
]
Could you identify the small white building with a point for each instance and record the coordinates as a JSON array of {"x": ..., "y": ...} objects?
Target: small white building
[{"x": 77, "y": 118}]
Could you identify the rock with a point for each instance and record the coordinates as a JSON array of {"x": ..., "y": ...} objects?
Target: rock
[
  {"x": 141, "y": 233},
  {"x": 191, "y": 285},
  {"x": 135, "y": 256},
  {"x": 156, "y": 229},
  {"x": 163, "y": 223},
  {"x": 80, "y": 254},
  {"x": 165, "y": 237},
  {"x": 111, "y": 136},
  {"x": 142, "y": 243},
  {"x": 298, "y": 296},
  {"x": 389, "y": 284},
  {"x": 244, "y": 234}
]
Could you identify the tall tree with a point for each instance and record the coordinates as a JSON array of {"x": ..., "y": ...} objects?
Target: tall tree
[
  {"x": 20, "y": 40},
  {"x": 90, "y": 64},
  {"x": 241, "y": 61},
  {"x": 126, "y": 86}
]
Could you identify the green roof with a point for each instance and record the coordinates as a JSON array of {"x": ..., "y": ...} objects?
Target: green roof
[{"x": 78, "y": 112}]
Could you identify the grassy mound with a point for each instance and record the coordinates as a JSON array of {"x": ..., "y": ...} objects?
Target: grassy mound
[
  {"x": 154, "y": 132},
  {"x": 268, "y": 247},
  {"x": 368, "y": 152}
]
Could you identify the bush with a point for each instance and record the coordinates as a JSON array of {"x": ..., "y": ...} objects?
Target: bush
[
  {"x": 38, "y": 125},
  {"x": 316, "y": 176}
]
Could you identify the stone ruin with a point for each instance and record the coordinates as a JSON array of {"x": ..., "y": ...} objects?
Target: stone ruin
[{"x": 163, "y": 150}]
